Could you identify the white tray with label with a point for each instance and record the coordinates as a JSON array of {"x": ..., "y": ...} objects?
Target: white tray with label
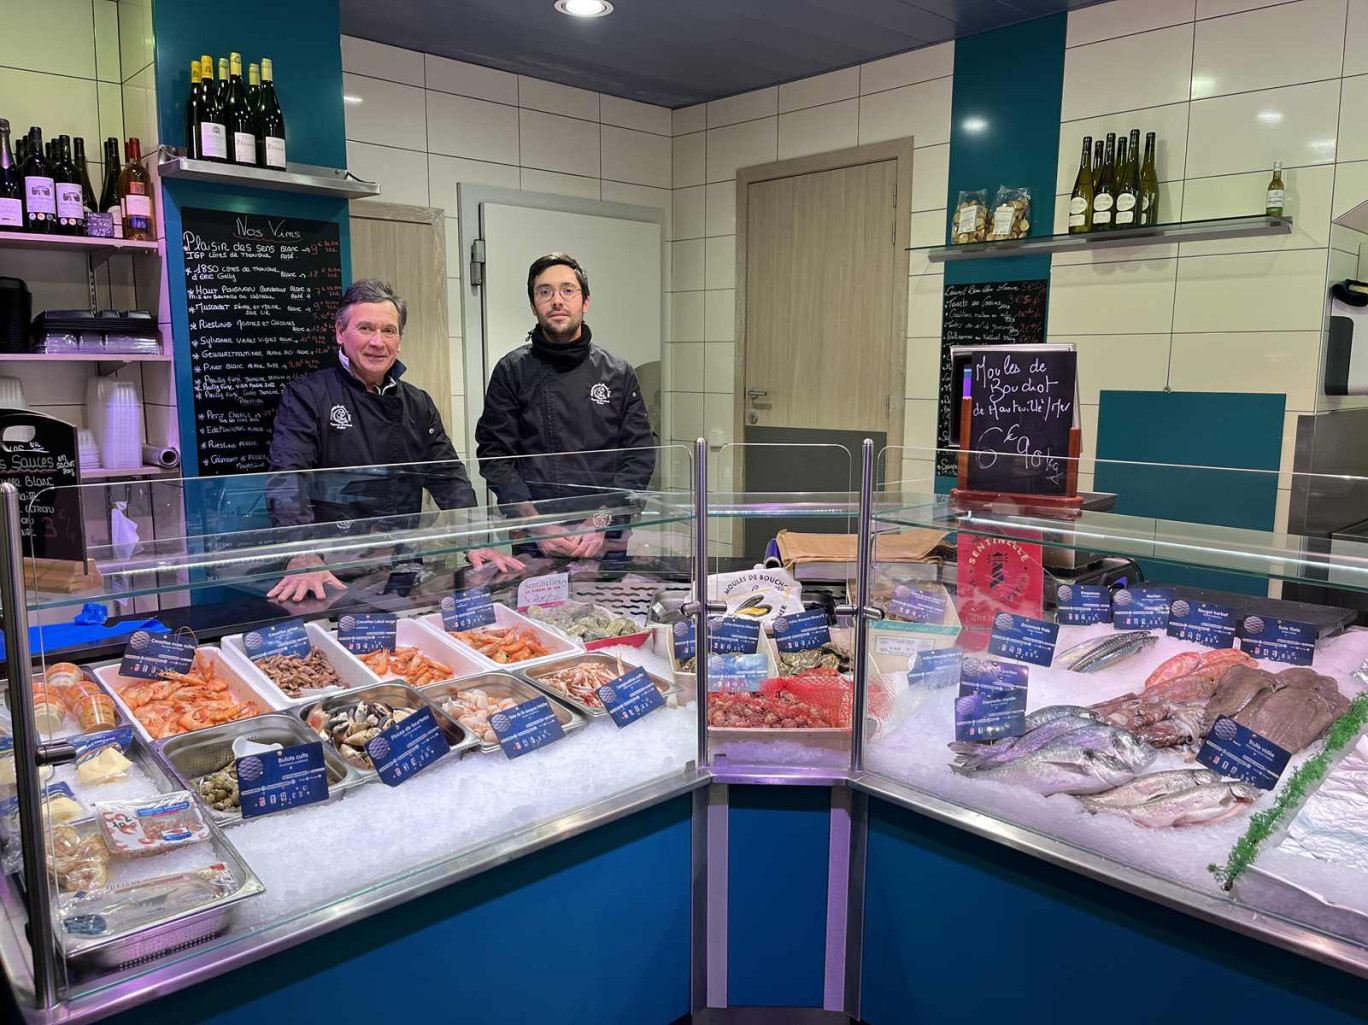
[
  {"x": 349, "y": 668},
  {"x": 412, "y": 633},
  {"x": 556, "y": 644}
]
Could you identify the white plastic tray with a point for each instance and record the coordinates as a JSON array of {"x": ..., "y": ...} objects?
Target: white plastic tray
[
  {"x": 241, "y": 688},
  {"x": 556, "y": 643},
  {"x": 350, "y": 670},
  {"x": 410, "y": 633}
]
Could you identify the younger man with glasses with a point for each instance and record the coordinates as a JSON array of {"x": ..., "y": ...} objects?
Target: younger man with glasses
[{"x": 561, "y": 393}]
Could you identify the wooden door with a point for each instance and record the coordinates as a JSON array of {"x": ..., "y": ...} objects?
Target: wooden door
[{"x": 405, "y": 247}]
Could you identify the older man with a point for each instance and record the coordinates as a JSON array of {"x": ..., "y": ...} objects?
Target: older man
[{"x": 358, "y": 414}]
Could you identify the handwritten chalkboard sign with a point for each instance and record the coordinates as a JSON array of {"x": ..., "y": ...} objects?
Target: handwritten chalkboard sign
[
  {"x": 39, "y": 455},
  {"x": 261, "y": 294},
  {"x": 993, "y": 313},
  {"x": 1022, "y": 413}
]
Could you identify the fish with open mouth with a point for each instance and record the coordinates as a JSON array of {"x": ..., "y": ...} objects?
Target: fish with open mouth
[{"x": 1100, "y": 653}]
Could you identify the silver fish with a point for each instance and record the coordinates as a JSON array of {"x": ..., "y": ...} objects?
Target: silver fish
[
  {"x": 1146, "y": 788},
  {"x": 1043, "y": 715},
  {"x": 980, "y": 755},
  {"x": 1195, "y": 806},
  {"x": 1082, "y": 762},
  {"x": 1101, "y": 652}
]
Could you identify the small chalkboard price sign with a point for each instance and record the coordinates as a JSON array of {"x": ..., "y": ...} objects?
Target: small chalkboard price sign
[
  {"x": 38, "y": 454},
  {"x": 1019, "y": 428}
]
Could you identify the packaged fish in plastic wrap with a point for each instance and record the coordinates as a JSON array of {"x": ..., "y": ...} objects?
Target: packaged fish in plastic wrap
[{"x": 118, "y": 909}]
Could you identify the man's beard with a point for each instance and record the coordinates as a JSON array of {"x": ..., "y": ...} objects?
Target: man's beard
[{"x": 565, "y": 334}]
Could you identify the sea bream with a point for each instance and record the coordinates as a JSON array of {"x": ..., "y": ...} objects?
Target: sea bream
[
  {"x": 1008, "y": 748},
  {"x": 1085, "y": 761},
  {"x": 1099, "y": 653},
  {"x": 1194, "y": 806}
]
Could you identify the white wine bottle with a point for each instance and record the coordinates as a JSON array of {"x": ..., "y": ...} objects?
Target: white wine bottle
[
  {"x": 270, "y": 122},
  {"x": 1277, "y": 192},
  {"x": 1081, "y": 201},
  {"x": 1128, "y": 186},
  {"x": 1104, "y": 190},
  {"x": 1149, "y": 185}
]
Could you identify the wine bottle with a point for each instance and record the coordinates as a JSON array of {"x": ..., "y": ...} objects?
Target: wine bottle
[
  {"x": 11, "y": 186},
  {"x": 109, "y": 196},
  {"x": 270, "y": 122},
  {"x": 1277, "y": 192},
  {"x": 135, "y": 194},
  {"x": 254, "y": 88},
  {"x": 1104, "y": 192},
  {"x": 238, "y": 117},
  {"x": 213, "y": 136},
  {"x": 1127, "y": 185},
  {"x": 222, "y": 95},
  {"x": 40, "y": 191},
  {"x": 1149, "y": 185},
  {"x": 67, "y": 183},
  {"x": 88, "y": 200},
  {"x": 192, "y": 112},
  {"x": 1097, "y": 163},
  {"x": 1080, "y": 202}
]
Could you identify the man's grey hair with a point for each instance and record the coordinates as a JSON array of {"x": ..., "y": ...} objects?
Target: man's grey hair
[{"x": 370, "y": 290}]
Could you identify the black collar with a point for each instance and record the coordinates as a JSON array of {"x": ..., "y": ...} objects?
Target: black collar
[{"x": 562, "y": 355}]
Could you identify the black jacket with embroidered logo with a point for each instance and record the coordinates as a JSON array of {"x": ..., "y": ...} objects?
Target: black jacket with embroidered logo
[
  {"x": 544, "y": 398},
  {"x": 329, "y": 419}
]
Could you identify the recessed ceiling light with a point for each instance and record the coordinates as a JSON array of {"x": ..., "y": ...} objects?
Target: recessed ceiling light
[{"x": 585, "y": 8}]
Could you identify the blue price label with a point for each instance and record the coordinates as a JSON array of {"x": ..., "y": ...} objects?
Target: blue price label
[
  {"x": 732, "y": 635},
  {"x": 992, "y": 700},
  {"x": 1141, "y": 608},
  {"x": 276, "y": 780},
  {"x": 364, "y": 632},
  {"x": 149, "y": 656},
  {"x": 685, "y": 639},
  {"x": 468, "y": 609},
  {"x": 287, "y": 638},
  {"x": 405, "y": 748},
  {"x": 1023, "y": 638},
  {"x": 935, "y": 668},
  {"x": 1233, "y": 749},
  {"x": 917, "y": 605},
  {"x": 1082, "y": 604},
  {"x": 526, "y": 727},
  {"x": 802, "y": 632},
  {"x": 737, "y": 672},
  {"x": 1278, "y": 640},
  {"x": 631, "y": 696},
  {"x": 1202, "y": 622}
]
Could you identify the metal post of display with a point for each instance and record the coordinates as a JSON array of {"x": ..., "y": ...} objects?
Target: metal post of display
[
  {"x": 699, "y": 609},
  {"x": 14, "y": 603},
  {"x": 864, "y": 612}
]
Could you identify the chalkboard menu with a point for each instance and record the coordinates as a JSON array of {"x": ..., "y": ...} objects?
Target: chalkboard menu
[
  {"x": 261, "y": 293},
  {"x": 39, "y": 455},
  {"x": 994, "y": 313},
  {"x": 1022, "y": 410}
]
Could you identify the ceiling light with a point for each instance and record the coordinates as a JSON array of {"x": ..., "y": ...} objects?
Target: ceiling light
[
  {"x": 585, "y": 8},
  {"x": 348, "y": 98},
  {"x": 975, "y": 125},
  {"x": 1270, "y": 117}
]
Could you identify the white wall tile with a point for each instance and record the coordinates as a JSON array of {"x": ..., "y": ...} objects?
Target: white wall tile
[
  {"x": 1112, "y": 298},
  {"x": 930, "y": 177},
  {"x": 908, "y": 68},
  {"x": 402, "y": 173},
  {"x": 1283, "y": 45},
  {"x": 1353, "y": 120},
  {"x": 139, "y": 109},
  {"x": 640, "y": 195},
  {"x": 687, "y": 120},
  {"x": 719, "y": 367},
  {"x": 1169, "y": 124},
  {"x": 749, "y": 106},
  {"x": 445, "y": 173},
  {"x": 720, "y": 257},
  {"x": 919, "y": 423},
  {"x": 1128, "y": 73},
  {"x": 1220, "y": 8},
  {"x": 687, "y": 260},
  {"x": 1308, "y": 204},
  {"x": 686, "y": 317},
  {"x": 686, "y": 416},
  {"x": 554, "y": 98},
  {"x": 450, "y": 76},
  {"x": 641, "y": 117},
  {"x": 1119, "y": 363},
  {"x": 1232, "y": 293},
  {"x": 690, "y": 160},
  {"x": 689, "y": 212},
  {"x": 107, "y": 67},
  {"x": 460, "y": 126},
  {"x": 56, "y": 36},
  {"x": 57, "y": 104},
  {"x": 380, "y": 60},
  {"x": 637, "y": 157},
  {"x": 925, "y": 296},
  {"x": 741, "y": 145},
  {"x": 1356, "y": 39},
  {"x": 384, "y": 113},
  {"x": 1351, "y": 187},
  {"x": 819, "y": 129},
  {"x": 1295, "y": 124},
  {"x": 135, "y": 36},
  {"x": 686, "y": 366},
  {"x": 719, "y": 315},
  {"x": 557, "y": 184},
  {"x": 819, "y": 89},
  {"x": 1124, "y": 18},
  {"x": 1260, "y": 361},
  {"x": 558, "y": 143},
  {"x": 923, "y": 368},
  {"x": 928, "y": 229},
  {"x": 110, "y": 98},
  {"x": 721, "y": 209},
  {"x": 921, "y": 111}
]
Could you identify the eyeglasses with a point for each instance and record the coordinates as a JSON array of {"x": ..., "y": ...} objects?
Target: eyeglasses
[
  {"x": 388, "y": 331},
  {"x": 567, "y": 292}
]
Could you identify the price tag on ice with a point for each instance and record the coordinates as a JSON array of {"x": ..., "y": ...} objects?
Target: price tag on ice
[
  {"x": 916, "y": 605},
  {"x": 1278, "y": 640},
  {"x": 935, "y": 669},
  {"x": 468, "y": 609},
  {"x": 526, "y": 727},
  {"x": 683, "y": 635},
  {"x": 1082, "y": 604},
  {"x": 287, "y": 638},
  {"x": 1141, "y": 608},
  {"x": 364, "y": 632},
  {"x": 631, "y": 696},
  {"x": 1233, "y": 749},
  {"x": 277, "y": 780},
  {"x": 550, "y": 589},
  {"x": 802, "y": 632},
  {"x": 1203, "y": 622},
  {"x": 1023, "y": 638},
  {"x": 732, "y": 635},
  {"x": 148, "y": 656},
  {"x": 404, "y": 748},
  {"x": 992, "y": 700}
]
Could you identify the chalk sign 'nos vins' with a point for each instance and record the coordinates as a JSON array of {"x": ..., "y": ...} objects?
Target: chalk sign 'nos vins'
[
  {"x": 261, "y": 293},
  {"x": 1022, "y": 413}
]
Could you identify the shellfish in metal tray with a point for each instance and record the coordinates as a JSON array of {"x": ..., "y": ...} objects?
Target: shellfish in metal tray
[{"x": 350, "y": 729}]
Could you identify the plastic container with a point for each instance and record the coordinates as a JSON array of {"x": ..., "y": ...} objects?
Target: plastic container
[
  {"x": 349, "y": 668},
  {"x": 86, "y": 700},
  {"x": 114, "y": 416},
  {"x": 435, "y": 644},
  {"x": 557, "y": 645},
  {"x": 12, "y": 393}
]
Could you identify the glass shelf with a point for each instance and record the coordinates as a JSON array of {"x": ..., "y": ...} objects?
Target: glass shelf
[
  {"x": 74, "y": 243},
  {"x": 1157, "y": 234},
  {"x": 320, "y": 181}
]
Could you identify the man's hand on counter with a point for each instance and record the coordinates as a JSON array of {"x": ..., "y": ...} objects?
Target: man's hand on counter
[
  {"x": 303, "y": 585},
  {"x": 501, "y": 561}
]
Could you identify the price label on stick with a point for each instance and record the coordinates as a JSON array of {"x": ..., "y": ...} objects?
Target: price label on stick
[
  {"x": 803, "y": 632},
  {"x": 287, "y": 638},
  {"x": 364, "y": 632},
  {"x": 1203, "y": 622},
  {"x": 1141, "y": 608},
  {"x": 278, "y": 780},
  {"x": 1233, "y": 749},
  {"x": 468, "y": 609},
  {"x": 683, "y": 636},
  {"x": 1082, "y": 604},
  {"x": 1023, "y": 638},
  {"x": 149, "y": 656},
  {"x": 732, "y": 635},
  {"x": 992, "y": 700},
  {"x": 405, "y": 748},
  {"x": 1278, "y": 640},
  {"x": 526, "y": 727}
]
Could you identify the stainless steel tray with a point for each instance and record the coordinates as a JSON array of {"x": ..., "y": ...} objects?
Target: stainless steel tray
[
  {"x": 535, "y": 675},
  {"x": 192, "y": 755},
  {"x": 396, "y": 695},
  {"x": 502, "y": 685}
]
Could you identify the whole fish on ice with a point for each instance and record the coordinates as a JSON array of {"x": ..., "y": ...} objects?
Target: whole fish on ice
[
  {"x": 1154, "y": 784},
  {"x": 1084, "y": 761},
  {"x": 1008, "y": 748},
  {"x": 1043, "y": 715},
  {"x": 1195, "y": 806},
  {"x": 1099, "y": 653}
]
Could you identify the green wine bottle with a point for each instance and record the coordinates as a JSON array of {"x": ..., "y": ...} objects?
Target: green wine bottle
[{"x": 1081, "y": 201}]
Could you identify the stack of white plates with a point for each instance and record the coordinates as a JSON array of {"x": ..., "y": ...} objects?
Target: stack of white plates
[
  {"x": 114, "y": 415},
  {"x": 89, "y": 449},
  {"x": 12, "y": 393}
]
